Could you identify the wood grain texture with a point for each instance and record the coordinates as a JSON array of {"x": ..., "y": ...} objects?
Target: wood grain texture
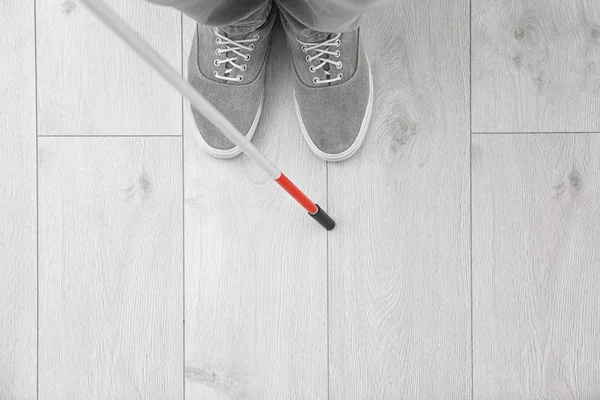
[
  {"x": 536, "y": 275},
  {"x": 399, "y": 257},
  {"x": 90, "y": 83},
  {"x": 110, "y": 268},
  {"x": 536, "y": 65},
  {"x": 255, "y": 262},
  {"x": 18, "y": 305}
]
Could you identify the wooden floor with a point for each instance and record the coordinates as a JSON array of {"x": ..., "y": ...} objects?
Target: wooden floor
[{"x": 465, "y": 263}]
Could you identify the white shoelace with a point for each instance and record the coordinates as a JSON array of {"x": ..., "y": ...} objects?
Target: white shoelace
[
  {"x": 322, "y": 49},
  {"x": 233, "y": 46}
]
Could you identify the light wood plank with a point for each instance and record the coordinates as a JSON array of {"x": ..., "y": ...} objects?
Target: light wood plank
[
  {"x": 18, "y": 304},
  {"x": 255, "y": 263},
  {"x": 89, "y": 82},
  {"x": 110, "y": 269},
  {"x": 399, "y": 258},
  {"x": 536, "y": 65},
  {"x": 536, "y": 259}
]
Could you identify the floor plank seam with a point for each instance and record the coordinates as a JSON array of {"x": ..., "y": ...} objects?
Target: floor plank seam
[
  {"x": 327, "y": 262},
  {"x": 182, "y": 203},
  {"x": 535, "y": 133},
  {"x": 471, "y": 190},
  {"x": 37, "y": 206},
  {"x": 112, "y": 136}
]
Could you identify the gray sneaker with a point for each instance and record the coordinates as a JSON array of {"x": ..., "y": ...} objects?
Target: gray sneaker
[
  {"x": 230, "y": 73},
  {"x": 333, "y": 93}
]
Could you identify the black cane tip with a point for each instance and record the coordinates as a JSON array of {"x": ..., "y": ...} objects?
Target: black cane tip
[{"x": 322, "y": 218}]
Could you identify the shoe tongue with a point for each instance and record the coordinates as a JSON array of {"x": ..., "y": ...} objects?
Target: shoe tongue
[
  {"x": 318, "y": 37},
  {"x": 234, "y": 35}
]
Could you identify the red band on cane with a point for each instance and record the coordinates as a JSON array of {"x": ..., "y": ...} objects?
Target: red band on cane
[{"x": 297, "y": 194}]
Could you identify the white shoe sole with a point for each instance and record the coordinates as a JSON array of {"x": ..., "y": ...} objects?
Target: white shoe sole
[
  {"x": 349, "y": 152},
  {"x": 236, "y": 150}
]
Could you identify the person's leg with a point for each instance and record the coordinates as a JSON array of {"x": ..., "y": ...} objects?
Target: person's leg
[
  {"x": 234, "y": 17},
  {"x": 313, "y": 20},
  {"x": 333, "y": 92}
]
